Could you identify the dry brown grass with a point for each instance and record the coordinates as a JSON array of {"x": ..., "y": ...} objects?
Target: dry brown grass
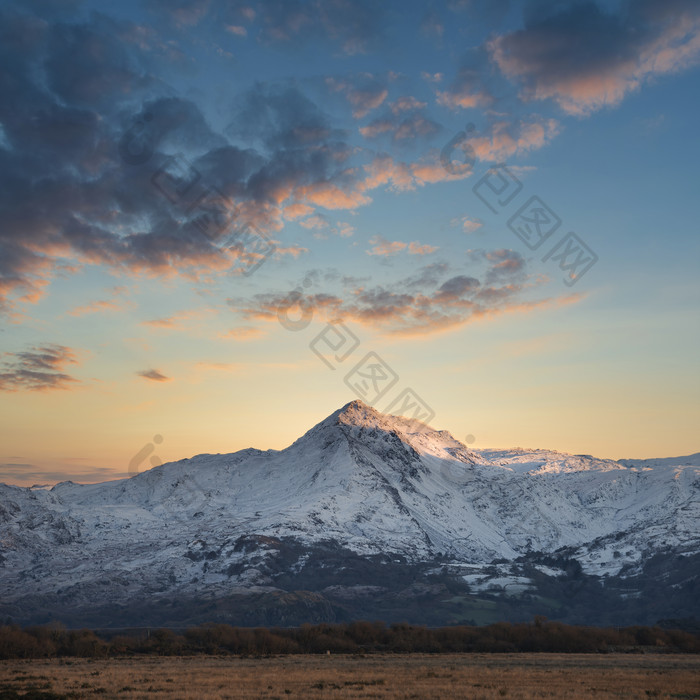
[{"x": 378, "y": 676}]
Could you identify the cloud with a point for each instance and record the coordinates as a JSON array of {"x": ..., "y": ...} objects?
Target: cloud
[
  {"x": 183, "y": 13},
  {"x": 24, "y": 474},
  {"x": 243, "y": 333},
  {"x": 467, "y": 91},
  {"x": 179, "y": 320},
  {"x": 318, "y": 221},
  {"x": 586, "y": 58},
  {"x": 468, "y": 225},
  {"x": 416, "y": 248},
  {"x": 380, "y": 246},
  {"x": 505, "y": 139},
  {"x": 64, "y": 191},
  {"x": 505, "y": 264},
  {"x": 384, "y": 171},
  {"x": 101, "y": 306},
  {"x": 354, "y": 25},
  {"x": 219, "y": 366},
  {"x": 38, "y": 369},
  {"x": 153, "y": 375},
  {"x": 365, "y": 92},
  {"x": 237, "y": 30},
  {"x": 297, "y": 211},
  {"x": 407, "y": 103},
  {"x": 67, "y": 197},
  {"x": 344, "y": 230},
  {"x": 404, "y": 119},
  {"x": 331, "y": 196},
  {"x": 434, "y": 299},
  {"x": 70, "y": 195},
  {"x": 431, "y": 170},
  {"x": 432, "y": 25},
  {"x": 104, "y": 305},
  {"x": 294, "y": 250}
]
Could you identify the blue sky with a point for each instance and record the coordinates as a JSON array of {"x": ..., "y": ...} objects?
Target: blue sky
[{"x": 197, "y": 194}]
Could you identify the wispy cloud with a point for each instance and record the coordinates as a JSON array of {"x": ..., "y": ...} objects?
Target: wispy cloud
[
  {"x": 434, "y": 299},
  {"x": 26, "y": 474},
  {"x": 117, "y": 303},
  {"x": 153, "y": 375},
  {"x": 38, "y": 369},
  {"x": 468, "y": 225},
  {"x": 383, "y": 247},
  {"x": 364, "y": 92},
  {"x": 179, "y": 320},
  {"x": 243, "y": 333}
]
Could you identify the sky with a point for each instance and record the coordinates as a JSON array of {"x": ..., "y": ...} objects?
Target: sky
[{"x": 222, "y": 221}]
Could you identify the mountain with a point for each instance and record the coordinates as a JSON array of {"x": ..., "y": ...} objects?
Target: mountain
[{"x": 365, "y": 516}]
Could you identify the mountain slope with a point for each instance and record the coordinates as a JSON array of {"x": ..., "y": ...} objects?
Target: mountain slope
[{"x": 360, "y": 498}]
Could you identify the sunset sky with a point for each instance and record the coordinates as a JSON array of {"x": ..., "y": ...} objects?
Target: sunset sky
[{"x": 220, "y": 218}]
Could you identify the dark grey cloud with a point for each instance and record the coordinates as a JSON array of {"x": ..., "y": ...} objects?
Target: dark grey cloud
[
  {"x": 432, "y": 299},
  {"x": 354, "y": 26},
  {"x": 281, "y": 117},
  {"x": 457, "y": 288},
  {"x": 183, "y": 13},
  {"x": 90, "y": 133},
  {"x": 37, "y": 369},
  {"x": 153, "y": 375},
  {"x": 586, "y": 55},
  {"x": 87, "y": 63}
]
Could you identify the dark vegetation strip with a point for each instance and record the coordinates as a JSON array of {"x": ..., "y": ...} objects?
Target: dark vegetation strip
[{"x": 540, "y": 635}]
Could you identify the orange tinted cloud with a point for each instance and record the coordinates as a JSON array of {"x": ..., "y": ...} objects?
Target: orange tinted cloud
[
  {"x": 179, "y": 320},
  {"x": 364, "y": 92},
  {"x": 586, "y": 59},
  {"x": 380, "y": 246},
  {"x": 243, "y": 333},
  {"x": 506, "y": 139},
  {"x": 433, "y": 300},
  {"x": 102, "y": 306},
  {"x": 416, "y": 248},
  {"x": 331, "y": 196}
]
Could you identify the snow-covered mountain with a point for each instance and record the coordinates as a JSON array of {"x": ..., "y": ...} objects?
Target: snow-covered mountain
[{"x": 364, "y": 514}]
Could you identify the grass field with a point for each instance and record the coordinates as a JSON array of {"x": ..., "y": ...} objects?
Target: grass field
[{"x": 377, "y": 676}]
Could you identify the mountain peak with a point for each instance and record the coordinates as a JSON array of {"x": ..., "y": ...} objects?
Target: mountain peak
[{"x": 357, "y": 410}]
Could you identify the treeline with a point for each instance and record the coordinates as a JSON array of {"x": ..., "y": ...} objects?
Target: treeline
[{"x": 351, "y": 638}]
